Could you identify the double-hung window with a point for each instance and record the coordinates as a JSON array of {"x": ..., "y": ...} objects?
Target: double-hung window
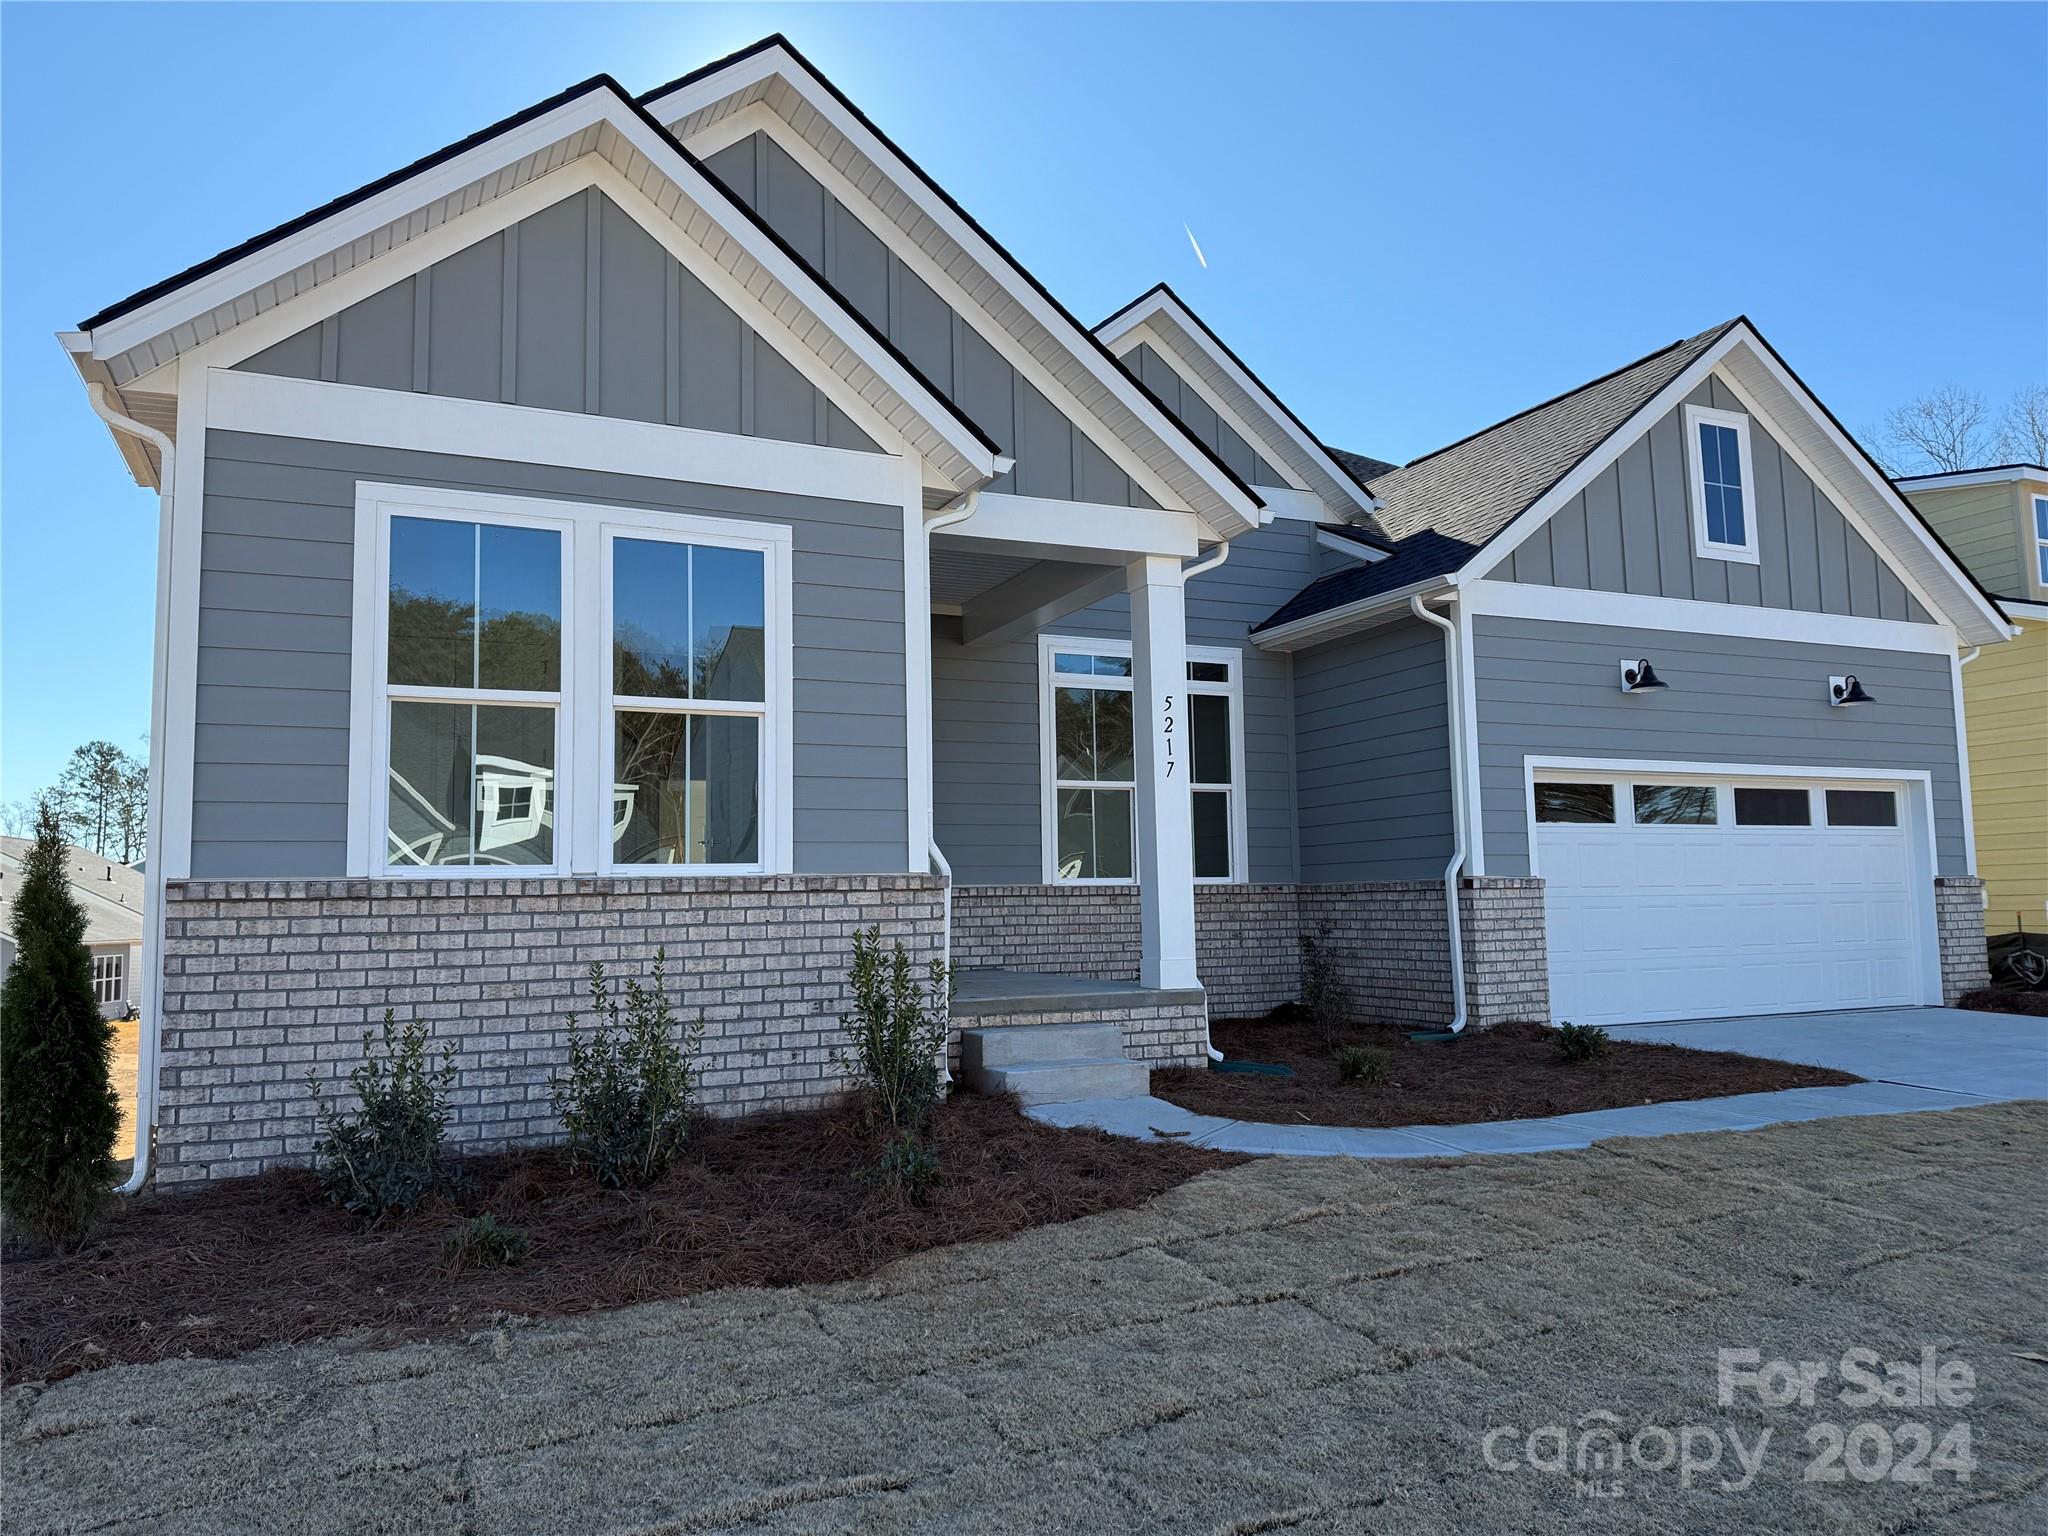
[
  {"x": 2041, "y": 542},
  {"x": 1723, "y": 485},
  {"x": 546, "y": 687},
  {"x": 1090, "y": 761}
]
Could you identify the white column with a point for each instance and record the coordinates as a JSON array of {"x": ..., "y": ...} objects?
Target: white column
[{"x": 1165, "y": 834}]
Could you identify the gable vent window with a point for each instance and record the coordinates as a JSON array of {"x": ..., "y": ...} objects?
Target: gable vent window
[{"x": 1723, "y": 482}]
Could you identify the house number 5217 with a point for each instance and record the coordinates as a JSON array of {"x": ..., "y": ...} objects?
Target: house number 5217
[{"x": 1166, "y": 721}]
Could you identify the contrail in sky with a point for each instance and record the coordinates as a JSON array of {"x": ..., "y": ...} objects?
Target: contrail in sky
[{"x": 1198, "y": 248}]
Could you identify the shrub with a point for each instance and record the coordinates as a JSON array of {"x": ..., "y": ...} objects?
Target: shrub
[
  {"x": 896, "y": 1033},
  {"x": 1362, "y": 1064},
  {"x": 626, "y": 1099},
  {"x": 1324, "y": 997},
  {"x": 483, "y": 1243},
  {"x": 909, "y": 1166},
  {"x": 1581, "y": 1042},
  {"x": 392, "y": 1154},
  {"x": 59, "y": 1115}
]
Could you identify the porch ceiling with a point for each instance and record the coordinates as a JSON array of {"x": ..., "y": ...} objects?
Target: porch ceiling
[{"x": 960, "y": 575}]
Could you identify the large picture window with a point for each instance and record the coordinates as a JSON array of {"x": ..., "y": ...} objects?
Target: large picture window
[
  {"x": 546, "y": 687},
  {"x": 1090, "y": 756}
]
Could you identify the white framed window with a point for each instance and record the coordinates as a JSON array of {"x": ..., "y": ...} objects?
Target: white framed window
[
  {"x": 1089, "y": 762},
  {"x": 1723, "y": 485},
  {"x": 546, "y": 687},
  {"x": 109, "y": 978},
  {"x": 2041, "y": 542}
]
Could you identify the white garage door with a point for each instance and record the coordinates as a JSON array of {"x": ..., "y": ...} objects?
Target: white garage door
[{"x": 1701, "y": 899}]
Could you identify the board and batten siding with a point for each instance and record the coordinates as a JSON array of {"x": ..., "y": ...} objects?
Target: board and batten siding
[
  {"x": 1055, "y": 458},
  {"x": 1550, "y": 689},
  {"x": 1631, "y": 531},
  {"x": 1372, "y": 744},
  {"x": 575, "y": 308},
  {"x": 1199, "y": 417},
  {"x": 985, "y": 717},
  {"x": 271, "y": 748}
]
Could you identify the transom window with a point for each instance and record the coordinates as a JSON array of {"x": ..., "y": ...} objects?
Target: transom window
[
  {"x": 2041, "y": 540},
  {"x": 1090, "y": 753},
  {"x": 555, "y": 686},
  {"x": 1723, "y": 484}
]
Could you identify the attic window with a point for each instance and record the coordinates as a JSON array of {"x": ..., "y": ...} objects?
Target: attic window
[{"x": 1723, "y": 485}]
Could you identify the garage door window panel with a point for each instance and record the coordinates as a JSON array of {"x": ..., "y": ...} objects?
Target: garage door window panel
[
  {"x": 1862, "y": 808},
  {"x": 1755, "y": 807},
  {"x": 1575, "y": 803},
  {"x": 1676, "y": 805}
]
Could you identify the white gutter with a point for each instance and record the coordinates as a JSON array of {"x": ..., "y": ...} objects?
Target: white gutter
[
  {"x": 151, "y": 1029},
  {"x": 1455, "y": 726},
  {"x": 1316, "y": 626}
]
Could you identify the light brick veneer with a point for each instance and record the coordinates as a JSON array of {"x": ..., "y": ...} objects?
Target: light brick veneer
[
  {"x": 266, "y": 979},
  {"x": 1390, "y": 938},
  {"x": 1959, "y": 924}
]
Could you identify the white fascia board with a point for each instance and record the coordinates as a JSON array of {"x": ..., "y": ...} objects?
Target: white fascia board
[
  {"x": 2033, "y": 613},
  {"x": 1079, "y": 530},
  {"x": 91, "y": 370},
  {"x": 1281, "y": 428},
  {"x": 1684, "y": 616},
  {"x": 675, "y": 105},
  {"x": 1318, "y": 627},
  {"x": 1343, "y": 546},
  {"x": 1962, "y": 479},
  {"x": 1143, "y": 334},
  {"x": 385, "y": 418}
]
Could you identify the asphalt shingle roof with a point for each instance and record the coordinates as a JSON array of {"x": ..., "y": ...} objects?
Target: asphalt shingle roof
[
  {"x": 1440, "y": 511},
  {"x": 109, "y": 890}
]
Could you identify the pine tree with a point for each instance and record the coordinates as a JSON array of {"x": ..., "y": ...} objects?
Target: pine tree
[{"x": 58, "y": 1112}]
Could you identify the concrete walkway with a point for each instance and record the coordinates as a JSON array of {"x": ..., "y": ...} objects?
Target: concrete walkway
[{"x": 1915, "y": 1059}]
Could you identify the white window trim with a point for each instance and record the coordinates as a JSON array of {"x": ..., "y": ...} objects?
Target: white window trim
[
  {"x": 109, "y": 978},
  {"x": 582, "y": 722},
  {"x": 1049, "y": 785},
  {"x": 2037, "y": 571},
  {"x": 1697, "y": 416}
]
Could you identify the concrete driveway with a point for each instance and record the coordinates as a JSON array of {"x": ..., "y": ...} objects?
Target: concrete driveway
[{"x": 1323, "y": 1346}]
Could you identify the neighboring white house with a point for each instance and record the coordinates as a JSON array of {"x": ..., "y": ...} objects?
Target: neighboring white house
[{"x": 111, "y": 893}]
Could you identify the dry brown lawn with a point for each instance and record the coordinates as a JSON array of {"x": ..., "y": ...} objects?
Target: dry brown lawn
[{"x": 1305, "y": 1345}]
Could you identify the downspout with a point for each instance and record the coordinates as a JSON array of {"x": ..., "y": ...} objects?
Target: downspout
[
  {"x": 968, "y": 506},
  {"x": 152, "y": 1000},
  {"x": 1454, "y": 690},
  {"x": 1963, "y": 736},
  {"x": 1187, "y": 574}
]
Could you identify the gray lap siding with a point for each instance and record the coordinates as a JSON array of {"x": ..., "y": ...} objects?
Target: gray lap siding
[{"x": 271, "y": 742}]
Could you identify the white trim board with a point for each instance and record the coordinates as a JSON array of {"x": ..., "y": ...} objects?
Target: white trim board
[
  {"x": 1704, "y": 545},
  {"x": 1962, "y": 479},
  {"x": 1128, "y": 341},
  {"x": 1573, "y": 605}
]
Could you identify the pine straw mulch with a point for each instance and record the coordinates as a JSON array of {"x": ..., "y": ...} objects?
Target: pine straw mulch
[
  {"x": 2006, "y": 1000},
  {"x": 1508, "y": 1072},
  {"x": 770, "y": 1200}
]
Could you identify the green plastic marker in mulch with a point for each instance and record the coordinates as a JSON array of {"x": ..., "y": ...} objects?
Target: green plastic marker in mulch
[{"x": 1259, "y": 1068}]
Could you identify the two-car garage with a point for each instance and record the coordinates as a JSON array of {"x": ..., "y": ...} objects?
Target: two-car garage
[{"x": 1671, "y": 895}]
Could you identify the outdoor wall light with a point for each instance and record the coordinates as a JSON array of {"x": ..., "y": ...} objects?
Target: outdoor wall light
[
  {"x": 1844, "y": 691},
  {"x": 1638, "y": 676}
]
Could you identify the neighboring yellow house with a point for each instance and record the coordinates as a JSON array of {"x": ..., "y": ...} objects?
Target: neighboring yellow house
[{"x": 1996, "y": 521}]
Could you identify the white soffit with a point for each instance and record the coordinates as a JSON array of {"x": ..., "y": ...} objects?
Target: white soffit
[{"x": 775, "y": 77}]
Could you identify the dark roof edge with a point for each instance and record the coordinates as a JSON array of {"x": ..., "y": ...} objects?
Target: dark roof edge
[
  {"x": 777, "y": 39},
  {"x": 1981, "y": 469},
  {"x": 1224, "y": 347}
]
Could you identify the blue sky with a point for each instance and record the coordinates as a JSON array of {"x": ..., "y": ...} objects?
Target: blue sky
[{"x": 1417, "y": 219}]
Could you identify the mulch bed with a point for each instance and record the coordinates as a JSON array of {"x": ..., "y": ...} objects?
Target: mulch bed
[
  {"x": 1508, "y": 1072},
  {"x": 2006, "y": 1000},
  {"x": 770, "y": 1200}
]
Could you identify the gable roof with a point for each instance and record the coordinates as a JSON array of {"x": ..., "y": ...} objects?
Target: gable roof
[
  {"x": 110, "y": 892},
  {"x": 1448, "y": 508},
  {"x": 132, "y": 337},
  {"x": 1164, "y": 313},
  {"x": 772, "y": 72},
  {"x": 1957, "y": 479}
]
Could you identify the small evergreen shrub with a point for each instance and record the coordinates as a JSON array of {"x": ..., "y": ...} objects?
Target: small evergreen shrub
[
  {"x": 909, "y": 1166},
  {"x": 1362, "y": 1064},
  {"x": 1325, "y": 999},
  {"x": 484, "y": 1243},
  {"x": 1581, "y": 1042},
  {"x": 392, "y": 1153},
  {"x": 58, "y": 1114},
  {"x": 896, "y": 1033},
  {"x": 626, "y": 1097}
]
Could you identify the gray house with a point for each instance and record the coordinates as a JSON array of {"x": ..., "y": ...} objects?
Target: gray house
[
  {"x": 674, "y": 521},
  {"x": 112, "y": 896}
]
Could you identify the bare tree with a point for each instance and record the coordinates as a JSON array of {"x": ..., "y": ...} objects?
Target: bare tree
[
  {"x": 1945, "y": 429},
  {"x": 2023, "y": 429}
]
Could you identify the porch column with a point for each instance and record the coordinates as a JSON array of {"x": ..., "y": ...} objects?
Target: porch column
[{"x": 1159, "y": 722}]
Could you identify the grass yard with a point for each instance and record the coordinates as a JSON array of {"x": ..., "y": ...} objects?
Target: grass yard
[
  {"x": 1509, "y": 1072},
  {"x": 770, "y": 1200}
]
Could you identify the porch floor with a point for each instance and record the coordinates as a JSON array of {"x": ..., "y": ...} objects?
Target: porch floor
[{"x": 977, "y": 993}]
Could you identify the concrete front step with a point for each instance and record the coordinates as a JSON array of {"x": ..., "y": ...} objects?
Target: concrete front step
[{"x": 1051, "y": 1063}]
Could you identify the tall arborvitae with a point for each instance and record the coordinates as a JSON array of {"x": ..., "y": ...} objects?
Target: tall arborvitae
[{"x": 58, "y": 1112}]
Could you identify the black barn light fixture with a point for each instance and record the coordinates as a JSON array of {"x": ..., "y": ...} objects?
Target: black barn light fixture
[
  {"x": 1845, "y": 691},
  {"x": 1638, "y": 676}
]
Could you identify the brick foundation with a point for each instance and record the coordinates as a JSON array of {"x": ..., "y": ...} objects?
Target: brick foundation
[
  {"x": 1959, "y": 925},
  {"x": 264, "y": 980},
  {"x": 1390, "y": 938}
]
